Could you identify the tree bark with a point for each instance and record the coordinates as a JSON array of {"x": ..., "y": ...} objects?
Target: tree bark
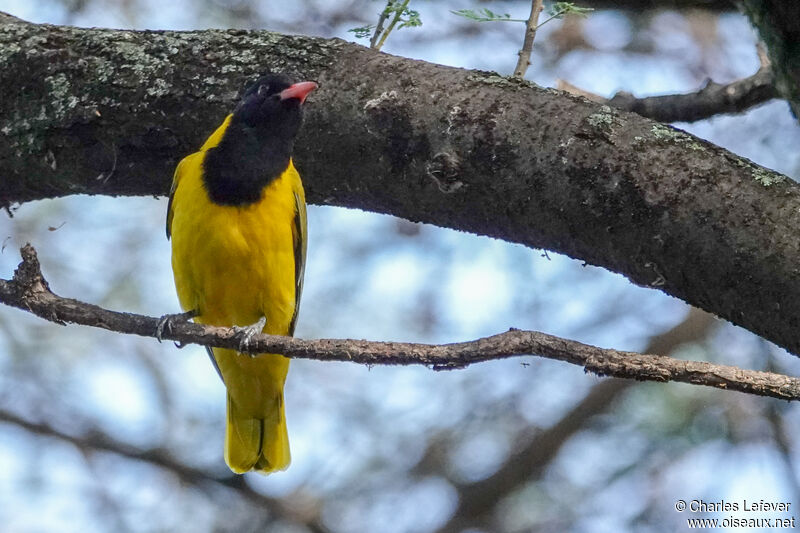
[
  {"x": 639, "y": 5},
  {"x": 778, "y": 24},
  {"x": 111, "y": 112},
  {"x": 29, "y": 291},
  {"x": 477, "y": 500}
]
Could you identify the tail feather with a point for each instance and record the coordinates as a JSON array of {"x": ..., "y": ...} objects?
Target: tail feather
[{"x": 256, "y": 444}]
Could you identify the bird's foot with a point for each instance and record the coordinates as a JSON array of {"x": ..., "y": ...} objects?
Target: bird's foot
[
  {"x": 166, "y": 322},
  {"x": 246, "y": 333}
]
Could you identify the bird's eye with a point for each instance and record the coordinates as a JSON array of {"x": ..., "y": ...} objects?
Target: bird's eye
[{"x": 262, "y": 90}]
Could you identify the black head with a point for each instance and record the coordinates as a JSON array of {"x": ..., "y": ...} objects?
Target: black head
[
  {"x": 274, "y": 104},
  {"x": 257, "y": 145}
]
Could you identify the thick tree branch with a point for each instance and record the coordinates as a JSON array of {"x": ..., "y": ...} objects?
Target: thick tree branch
[
  {"x": 641, "y": 5},
  {"x": 111, "y": 112},
  {"x": 778, "y": 24},
  {"x": 8, "y": 18},
  {"x": 713, "y": 99},
  {"x": 29, "y": 291}
]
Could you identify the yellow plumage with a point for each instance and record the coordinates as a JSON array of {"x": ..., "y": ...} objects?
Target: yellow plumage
[{"x": 234, "y": 265}]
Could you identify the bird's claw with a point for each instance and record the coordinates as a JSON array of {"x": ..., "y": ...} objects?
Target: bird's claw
[
  {"x": 166, "y": 322},
  {"x": 246, "y": 333}
]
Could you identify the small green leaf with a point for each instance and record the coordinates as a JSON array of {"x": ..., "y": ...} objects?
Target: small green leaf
[
  {"x": 412, "y": 19},
  {"x": 559, "y": 9},
  {"x": 363, "y": 31},
  {"x": 485, "y": 15}
]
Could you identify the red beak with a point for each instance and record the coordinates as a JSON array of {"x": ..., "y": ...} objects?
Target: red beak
[{"x": 298, "y": 90}]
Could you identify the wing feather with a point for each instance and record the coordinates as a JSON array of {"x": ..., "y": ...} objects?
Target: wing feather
[
  {"x": 300, "y": 246},
  {"x": 170, "y": 205}
]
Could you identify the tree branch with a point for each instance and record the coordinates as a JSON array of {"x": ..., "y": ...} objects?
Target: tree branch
[
  {"x": 778, "y": 24},
  {"x": 461, "y": 149},
  {"x": 8, "y": 18},
  {"x": 478, "y": 499},
  {"x": 161, "y": 458},
  {"x": 398, "y": 13},
  {"x": 29, "y": 291},
  {"x": 373, "y": 42},
  {"x": 524, "y": 59},
  {"x": 713, "y": 99},
  {"x": 641, "y": 5}
]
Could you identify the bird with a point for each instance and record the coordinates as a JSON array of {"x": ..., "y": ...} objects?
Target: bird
[{"x": 237, "y": 220}]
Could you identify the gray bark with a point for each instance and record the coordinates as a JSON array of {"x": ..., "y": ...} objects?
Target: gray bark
[
  {"x": 639, "y": 5},
  {"x": 713, "y": 99},
  {"x": 778, "y": 24},
  {"x": 29, "y": 291},
  {"x": 111, "y": 112}
]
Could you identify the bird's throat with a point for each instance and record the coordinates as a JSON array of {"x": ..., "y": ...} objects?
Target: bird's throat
[{"x": 236, "y": 171}]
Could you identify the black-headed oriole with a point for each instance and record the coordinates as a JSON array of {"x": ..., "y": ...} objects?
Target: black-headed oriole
[{"x": 237, "y": 219}]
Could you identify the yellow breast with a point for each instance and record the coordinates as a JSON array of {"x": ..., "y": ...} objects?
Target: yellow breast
[{"x": 235, "y": 264}]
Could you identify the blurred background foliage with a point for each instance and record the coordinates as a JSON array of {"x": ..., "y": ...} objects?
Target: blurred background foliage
[{"x": 103, "y": 432}]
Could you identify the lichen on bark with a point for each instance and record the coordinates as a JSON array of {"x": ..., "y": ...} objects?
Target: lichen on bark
[{"x": 461, "y": 149}]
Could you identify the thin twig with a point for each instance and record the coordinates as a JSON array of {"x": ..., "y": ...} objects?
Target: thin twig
[
  {"x": 97, "y": 441},
  {"x": 379, "y": 27},
  {"x": 29, "y": 291},
  {"x": 530, "y": 34},
  {"x": 397, "y": 14},
  {"x": 713, "y": 99}
]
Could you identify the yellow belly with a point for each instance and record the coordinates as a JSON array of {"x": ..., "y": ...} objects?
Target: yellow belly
[{"x": 234, "y": 265}]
